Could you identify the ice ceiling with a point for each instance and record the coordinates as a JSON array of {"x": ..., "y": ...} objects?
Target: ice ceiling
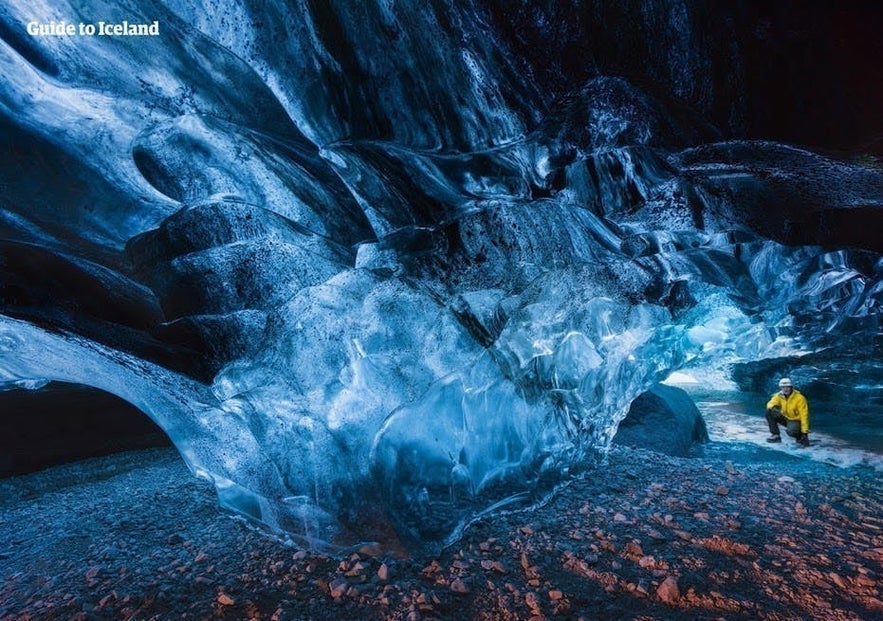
[{"x": 379, "y": 267}]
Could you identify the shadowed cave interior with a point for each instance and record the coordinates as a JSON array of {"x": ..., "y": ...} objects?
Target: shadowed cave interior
[{"x": 63, "y": 422}]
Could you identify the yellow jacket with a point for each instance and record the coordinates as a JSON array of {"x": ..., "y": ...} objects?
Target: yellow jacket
[{"x": 794, "y": 407}]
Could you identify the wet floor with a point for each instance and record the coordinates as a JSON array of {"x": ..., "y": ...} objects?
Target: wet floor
[{"x": 738, "y": 430}]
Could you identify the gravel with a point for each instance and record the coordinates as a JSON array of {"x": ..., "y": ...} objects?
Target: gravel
[{"x": 136, "y": 536}]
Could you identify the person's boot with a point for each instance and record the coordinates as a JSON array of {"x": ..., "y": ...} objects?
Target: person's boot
[{"x": 774, "y": 438}]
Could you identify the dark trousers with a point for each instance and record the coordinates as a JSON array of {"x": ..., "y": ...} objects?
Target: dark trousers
[{"x": 775, "y": 418}]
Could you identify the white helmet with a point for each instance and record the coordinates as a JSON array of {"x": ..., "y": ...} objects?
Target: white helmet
[{"x": 785, "y": 382}]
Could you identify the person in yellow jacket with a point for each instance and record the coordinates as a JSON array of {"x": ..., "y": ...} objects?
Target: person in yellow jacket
[{"x": 788, "y": 407}]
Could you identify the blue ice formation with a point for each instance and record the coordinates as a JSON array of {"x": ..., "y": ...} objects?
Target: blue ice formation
[{"x": 378, "y": 268}]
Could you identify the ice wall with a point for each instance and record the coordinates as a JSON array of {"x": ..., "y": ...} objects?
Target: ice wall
[{"x": 378, "y": 268}]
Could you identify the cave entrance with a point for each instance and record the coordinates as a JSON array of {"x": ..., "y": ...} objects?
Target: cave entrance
[{"x": 63, "y": 422}]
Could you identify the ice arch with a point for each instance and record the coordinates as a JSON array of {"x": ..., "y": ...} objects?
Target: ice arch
[{"x": 212, "y": 442}]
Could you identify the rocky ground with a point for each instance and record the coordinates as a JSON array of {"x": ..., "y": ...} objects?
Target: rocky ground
[{"x": 136, "y": 536}]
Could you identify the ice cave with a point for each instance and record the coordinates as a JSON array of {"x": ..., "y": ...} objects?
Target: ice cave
[{"x": 394, "y": 265}]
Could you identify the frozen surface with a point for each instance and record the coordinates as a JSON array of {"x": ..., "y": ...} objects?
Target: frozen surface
[{"x": 375, "y": 260}]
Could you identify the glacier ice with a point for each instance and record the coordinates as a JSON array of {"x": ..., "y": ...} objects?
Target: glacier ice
[{"x": 377, "y": 269}]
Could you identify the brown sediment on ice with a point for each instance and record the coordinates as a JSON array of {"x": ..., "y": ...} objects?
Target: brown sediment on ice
[{"x": 648, "y": 537}]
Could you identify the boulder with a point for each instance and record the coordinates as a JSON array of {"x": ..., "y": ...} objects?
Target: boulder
[{"x": 663, "y": 419}]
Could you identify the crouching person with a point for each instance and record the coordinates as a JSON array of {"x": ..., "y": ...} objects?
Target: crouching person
[{"x": 788, "y": 407}]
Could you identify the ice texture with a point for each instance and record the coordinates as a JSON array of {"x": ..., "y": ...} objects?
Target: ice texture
[{"x": 380, "y": 268}]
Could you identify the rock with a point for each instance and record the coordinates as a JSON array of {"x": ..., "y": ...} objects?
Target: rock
[
  {"x": 668, "y": 592},
  {"x": 633, "y": 549},
  {"x": 458, "y": 586},
  {"x": 865, "y": 581},
  {"x": 225, "y": 600},
  {"x": 489, "y": 565},
  {"x": 532, "y": 602},
  {"x": 337, "y": 587},
  {"x": 663, "y": 419}
]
